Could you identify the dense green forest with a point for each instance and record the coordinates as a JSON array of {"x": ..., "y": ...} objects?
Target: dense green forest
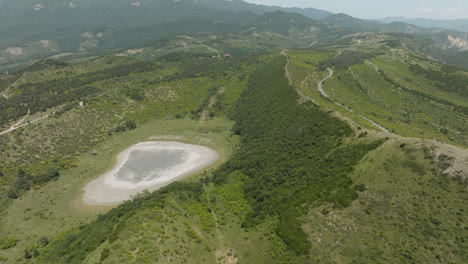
[{"x": 293, "y": 155}]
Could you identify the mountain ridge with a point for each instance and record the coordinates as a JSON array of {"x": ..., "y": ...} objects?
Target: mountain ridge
[{"x": 455, "y": 24}]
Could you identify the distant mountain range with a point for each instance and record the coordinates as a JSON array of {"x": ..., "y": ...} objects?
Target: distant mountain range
[
  {"x": 30, "y": 29},
  {"x": 459, "y": 24}
]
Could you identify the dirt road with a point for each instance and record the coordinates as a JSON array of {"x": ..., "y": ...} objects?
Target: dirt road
[
  {"x": 324, "y": 94},
  {"x": 320, "y": 84},
  {"x": 286, "y": 68},
  {"x": 20, "y": 125}
]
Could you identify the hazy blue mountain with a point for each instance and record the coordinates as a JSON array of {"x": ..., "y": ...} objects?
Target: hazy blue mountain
[
  {"x": 49, "y": 27},
  {"x": 22, "y": 19},
  {"x": 240, "y": 5},
  {"x": 281, "y": 22},
  {"x": 458, "y": 24}
]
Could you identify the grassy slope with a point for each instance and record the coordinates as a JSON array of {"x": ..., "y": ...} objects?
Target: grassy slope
[
  {"x": 365, "y": 90},
  {"x": 409, "y": 213},
  {"x": 58, "y": 206},
  {"x": 204, "y": 226},
  {"x": 76, "y": 131},
  {"x": 168, "y": 111}
]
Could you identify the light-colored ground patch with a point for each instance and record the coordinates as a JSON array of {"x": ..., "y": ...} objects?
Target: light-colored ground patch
[
  {"x": 15, "y": 51},
  {"x": 123, "y": 181}
]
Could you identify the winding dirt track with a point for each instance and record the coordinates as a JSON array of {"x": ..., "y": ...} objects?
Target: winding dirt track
[
  {"x": 320, "y": 84},
  {"x": 324, "y": 94},
  {"x": 287, "y": 74}
]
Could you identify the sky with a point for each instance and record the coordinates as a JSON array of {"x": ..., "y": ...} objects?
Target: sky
[{"x": 435, "y": 9}]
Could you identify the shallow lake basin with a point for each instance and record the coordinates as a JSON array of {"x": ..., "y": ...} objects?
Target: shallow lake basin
[{"x": 147, "y": 166}]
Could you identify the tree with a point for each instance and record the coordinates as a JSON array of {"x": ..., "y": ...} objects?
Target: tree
[
  {"x": 27, "y": 255},
  {"x": 21, "y": 182},
  {"x": 43, "y": 241},
  {"x": 12, "y": 193},
  {"x": 130, "y": 125}
]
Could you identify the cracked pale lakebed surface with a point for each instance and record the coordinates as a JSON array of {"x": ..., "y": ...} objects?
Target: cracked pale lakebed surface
[{"x": 147, "y": 166}]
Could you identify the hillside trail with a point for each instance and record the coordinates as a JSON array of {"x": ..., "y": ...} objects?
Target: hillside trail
[
  {"x": 19, "y": 124},
  {"x": 205, "y": 114},
  {"x": 221, "y": 252},
  {"x": 320, "y": 84},
  {"x": 459, "y": 164},
  {"x": 324, "y": 94},
  {"x": 287, "y": 74}
]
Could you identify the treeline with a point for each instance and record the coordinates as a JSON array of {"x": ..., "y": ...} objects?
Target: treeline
[
  {"x": 292, "y": 154},
  {"x": 192, "y": 68},
  {"x": 43, "y": 65},
  {"x": 344, "y": 60},
  {"x": 38, "y": 97},
  {"x": 126, "y": 125},
  {"x": 23, "y": 181},
  {"x": 74, "y": 246},
  {"x": 444, "y": 79}
]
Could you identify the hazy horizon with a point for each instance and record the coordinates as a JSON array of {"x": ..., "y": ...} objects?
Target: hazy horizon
[{"x": 371, "y": 9}]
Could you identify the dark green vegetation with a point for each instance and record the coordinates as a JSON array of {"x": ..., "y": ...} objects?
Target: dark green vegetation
[{"x": 293, "y": 155}]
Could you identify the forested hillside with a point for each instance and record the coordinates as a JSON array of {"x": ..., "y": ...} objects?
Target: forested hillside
[
  {"x": 69, "y": 30},
  {"x": 337, "y": 140}
]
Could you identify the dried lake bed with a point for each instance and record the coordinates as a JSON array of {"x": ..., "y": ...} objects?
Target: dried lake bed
[{"x": 147, "y": 166}]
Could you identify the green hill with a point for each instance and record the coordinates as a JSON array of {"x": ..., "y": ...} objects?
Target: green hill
[
  {"x": 340, "y": 140},
  {"x": 295, "y": 179}
]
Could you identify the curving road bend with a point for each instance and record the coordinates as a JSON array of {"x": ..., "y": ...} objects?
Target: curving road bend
[{"x": 324, "y": 94}]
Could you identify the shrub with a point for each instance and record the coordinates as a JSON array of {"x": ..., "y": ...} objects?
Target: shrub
[{"x": 6, "y": 243}]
